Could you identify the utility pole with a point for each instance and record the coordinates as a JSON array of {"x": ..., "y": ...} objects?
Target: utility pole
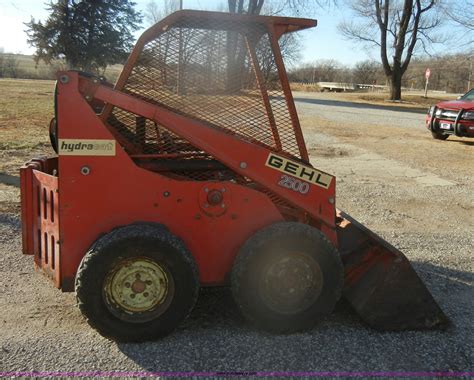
[{"x": 470, "y": 74}]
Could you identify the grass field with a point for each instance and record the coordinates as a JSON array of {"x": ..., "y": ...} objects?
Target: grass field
[
  {"x": 28, "y": 68},
  {"x": 26, "y": 107}
]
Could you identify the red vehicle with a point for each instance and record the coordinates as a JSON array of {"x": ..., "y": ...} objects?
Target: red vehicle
[{"x": 454, "y": 117}]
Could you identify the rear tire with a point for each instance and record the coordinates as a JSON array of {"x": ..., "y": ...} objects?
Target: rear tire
[
  {"x": 286, "y": 277},
  {"x": 439, "y": 136},
  {"x": 137, "y": 283}
]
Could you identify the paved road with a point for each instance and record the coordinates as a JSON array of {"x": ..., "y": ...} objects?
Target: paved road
[{"x": 340, "y": 111}]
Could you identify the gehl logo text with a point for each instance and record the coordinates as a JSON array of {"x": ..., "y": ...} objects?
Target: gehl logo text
[{"x": 298, "y": 170}]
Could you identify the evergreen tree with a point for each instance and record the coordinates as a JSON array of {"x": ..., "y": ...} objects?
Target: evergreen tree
[{"x": 87, "y": 34}]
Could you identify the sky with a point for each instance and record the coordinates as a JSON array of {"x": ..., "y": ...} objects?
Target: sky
[{"x": 322, "y": 42}]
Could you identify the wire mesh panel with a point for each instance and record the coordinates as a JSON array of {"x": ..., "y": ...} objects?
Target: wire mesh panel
[{"x": 220, "y": 73}]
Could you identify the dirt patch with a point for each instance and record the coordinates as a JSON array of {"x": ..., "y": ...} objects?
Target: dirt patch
[
  {"x": 414, "y": 148},
  {"x": 327, "y": 152}
]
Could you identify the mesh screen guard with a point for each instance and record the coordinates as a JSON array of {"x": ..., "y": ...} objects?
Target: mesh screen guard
[{"x": 221, "y": 69}]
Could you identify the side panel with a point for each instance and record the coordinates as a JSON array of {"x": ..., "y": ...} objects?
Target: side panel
[
  {"x": 244, "y": 158},
  {"x": 39, "y": 198},
  {"x": 101, "y": 192}
]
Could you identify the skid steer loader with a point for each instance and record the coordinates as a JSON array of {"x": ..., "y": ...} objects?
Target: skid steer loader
[{"x": 192, "y": 171}]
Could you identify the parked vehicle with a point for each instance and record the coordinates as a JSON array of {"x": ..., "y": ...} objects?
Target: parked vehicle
[{"x": 454, "y": 117}]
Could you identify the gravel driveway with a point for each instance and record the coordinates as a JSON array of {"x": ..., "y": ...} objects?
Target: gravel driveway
[{"x": 414, "y": 191}]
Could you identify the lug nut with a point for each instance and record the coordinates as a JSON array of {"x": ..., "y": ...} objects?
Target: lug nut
[{"x": 214, "y": 197}]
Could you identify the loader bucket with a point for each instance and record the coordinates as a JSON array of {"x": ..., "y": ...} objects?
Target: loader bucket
[{"x": 380, "y": 283}]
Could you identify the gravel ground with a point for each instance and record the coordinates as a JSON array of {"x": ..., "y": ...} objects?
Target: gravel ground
[{"x": 422, "y": 206}]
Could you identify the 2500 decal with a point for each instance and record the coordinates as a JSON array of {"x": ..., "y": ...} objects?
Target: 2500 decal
[{"x": 294, "y": 184}]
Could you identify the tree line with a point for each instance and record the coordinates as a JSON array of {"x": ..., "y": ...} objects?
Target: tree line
[
  {"x": 91, "y": 34},
  {"x": 450, "y": 73}
]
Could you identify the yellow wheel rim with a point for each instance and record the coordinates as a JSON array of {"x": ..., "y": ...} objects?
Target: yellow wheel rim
[{"x": 137, "y": 285}]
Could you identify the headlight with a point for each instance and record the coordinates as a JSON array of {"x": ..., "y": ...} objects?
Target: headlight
[
  {"x": 439, "y": 112},
  {"x": 468, "y": 115},
  {"x": 431, "y": 110}
]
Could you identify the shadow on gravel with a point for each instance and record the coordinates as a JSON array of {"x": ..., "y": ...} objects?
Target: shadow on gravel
[
  {"x": 11, "y": 221},
  {"x": 469, "y": 143},
  {"x": 341, "y": 103},
  {"x": 8, "y": 179},
  {"x": 437, "y": 276},
  {"x": 216, "y": 338}
]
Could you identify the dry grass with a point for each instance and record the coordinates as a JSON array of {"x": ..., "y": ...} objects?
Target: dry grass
[
  {"x": 304, "y": 87},
  {"x": 28, "y": 68},
  {"x": 26, "y": 107},
  {"x": 408, "y": 99}
]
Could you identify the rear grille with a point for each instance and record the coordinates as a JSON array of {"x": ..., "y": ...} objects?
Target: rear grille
[{"x": 40, "y": 209}]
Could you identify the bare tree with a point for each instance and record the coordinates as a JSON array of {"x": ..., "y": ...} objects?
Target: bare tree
[
  {"x": 397, "y": 27},
  {"x": 277, "y": 6},
  {"x": 289, "y": 44},
  {"x": 461, "y": 13},
  {"x": 154, "y": 12},
  {"x": 449, "y": 72},
  {"x": 365, "y": 72},
  {"x": 9, "y": 65}
]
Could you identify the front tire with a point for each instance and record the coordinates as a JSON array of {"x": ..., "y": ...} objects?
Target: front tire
[
  {"x": 137, "y": 283},
  {"x": 286, "y": 277},
  {"x": 439, "y": 136}
]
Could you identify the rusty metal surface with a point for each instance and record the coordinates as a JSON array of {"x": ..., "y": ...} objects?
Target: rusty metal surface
[
  {"x": 243, "y": 158},
  {"x": 40, "y": 205},
  {"x": 380, "y": 283}
]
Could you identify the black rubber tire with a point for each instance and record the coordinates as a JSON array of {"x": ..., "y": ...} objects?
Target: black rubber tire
[
  {"x": 439, "y": 136},
  {"x": 274, "y": 244},
  {"x": 53, "y": 134},
  {"x": 153, "y": 242},
  {"x": 53, "y": 124}
]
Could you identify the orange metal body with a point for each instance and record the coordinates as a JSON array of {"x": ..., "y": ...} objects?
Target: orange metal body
[
  {"x": 207, "y": 143},
  {"x": 116, "y": 191}
]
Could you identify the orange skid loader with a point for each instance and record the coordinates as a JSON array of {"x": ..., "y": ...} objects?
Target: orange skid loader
[{"x": 192, "y": 171}]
